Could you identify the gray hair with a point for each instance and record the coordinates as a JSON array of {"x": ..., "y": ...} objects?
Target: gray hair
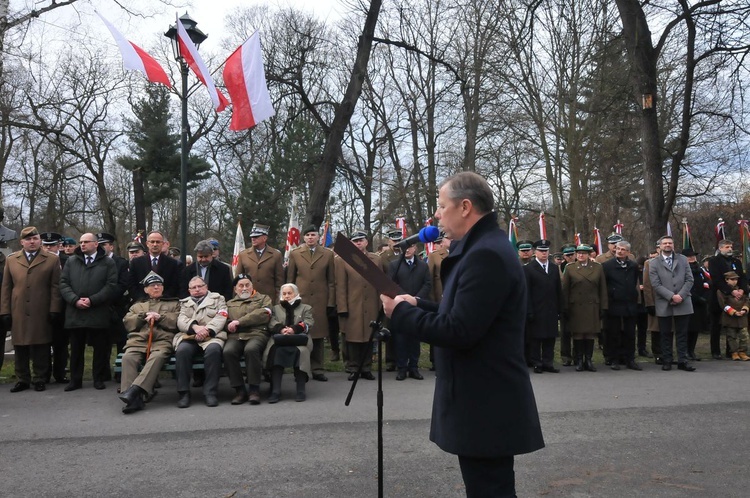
[
  {"x": 623, "y": 243},
  {"x": 294, "y": 288},
  {"x": 471, "y": 186},
  {"x": 204, "y": 247}
]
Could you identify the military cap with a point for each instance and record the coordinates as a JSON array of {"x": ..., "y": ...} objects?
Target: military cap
[
  {"x": 584, "y": 248},
  {"x": 396, "y": 235},
  {"x": 557, "y": 255},
  {"x": 152, "y": 278},
  {"x": 731, "y": 274},
  {"x": 214, "y": 243},
  {"x": 440, "y": 238},
  {"x": 688, "y": 251},
  {"x": 50, "y": 238},
  {"x": 29, "y": 232},
  {"x": 174, "y": 251},
  {"x": 135, "y": 246},
  {"x": 103, "y": 237},
  {"x": 69, "y": 241},
  {"x": 525, "y": 245},
  {"x": 259, "y": 230},
  {"x": 357, "y": 235},
  {"x": 310, "y": 228},
  {"x": 568, "y": 249},
  {"x": 542, "y": 245},
  {"x": 614, "y": 238}
]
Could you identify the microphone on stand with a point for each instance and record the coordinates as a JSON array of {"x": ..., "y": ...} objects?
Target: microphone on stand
[{"x": 427, "y": 234}]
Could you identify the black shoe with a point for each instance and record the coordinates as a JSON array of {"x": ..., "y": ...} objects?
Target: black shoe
[
  {"x": 414, "y": 374},
  {"x": 390, "y": 367},
  {"x": 367, "y": 375},
  {"x": 20, "y": 386},
  {"x": 320, "y": 377},
  {"x": 212, "y": 400},
  {"x": 274, "y": 397},
  {"x": 184, "y": 400},
  {"x": 589, "y": 365},
  {"x": 632, "y": 365},
  {"x": 579, "y": 366},
  {"x": 551, "y": 369},
  {"x": 666, "y": 366},
  {"x": 538, "y": 370},
  {"x": 72, "y": 386},
  {"x": 568, "y": 363},
  {"x": 99, "y": 385},
  {"x": 61, "y": 380},
  {"x": 401, "y": 375},
  {"x": 687, "y": 367},
  {"x": 130, "y": 394},
  {"x": 39, "y": 386},
  {"x": 645, "y": 354},
  {"x": 301, "y": 396},
  {"x": 133, "y": 406},
  {"x": 717, "y": 357},
  {"x": 659, "y": 361},
  {"x": 615, "y": 366}
]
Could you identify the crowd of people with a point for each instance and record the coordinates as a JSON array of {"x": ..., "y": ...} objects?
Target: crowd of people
[{"x": 59, "y": 295}]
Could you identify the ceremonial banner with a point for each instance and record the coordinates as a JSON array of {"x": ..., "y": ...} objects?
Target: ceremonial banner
[
  {"x": 292, "y": 234},
  {"x": 239, "y": 246}
]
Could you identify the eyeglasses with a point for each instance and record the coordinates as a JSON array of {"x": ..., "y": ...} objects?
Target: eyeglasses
[{"x": 197, "y": 286}]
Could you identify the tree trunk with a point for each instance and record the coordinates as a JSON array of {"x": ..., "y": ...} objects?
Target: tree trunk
[{"x": 321, "y": 188}]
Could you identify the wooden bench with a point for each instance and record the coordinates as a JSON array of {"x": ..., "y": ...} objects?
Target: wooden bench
[{"x": 171, "y": 364}]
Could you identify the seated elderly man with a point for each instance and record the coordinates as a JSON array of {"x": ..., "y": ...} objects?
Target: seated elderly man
[
  {"x": 151, "y": 326},
  {"x": 201, "y": 325},
  {"x": 249, "y": 313}
]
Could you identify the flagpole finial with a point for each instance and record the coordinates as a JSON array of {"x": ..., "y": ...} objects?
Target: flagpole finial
[{"x": 684, "y": 220}]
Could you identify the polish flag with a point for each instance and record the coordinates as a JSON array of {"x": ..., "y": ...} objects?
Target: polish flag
[
  {"x": 246, "y": 84},
  {"x": 194, "y": 60},
  {"x": 137, "y": 59},
  {"x": 239, "y": 246}
]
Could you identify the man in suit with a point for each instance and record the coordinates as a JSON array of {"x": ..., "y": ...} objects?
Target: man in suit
[
  {"x": 312, "y": 270},
  {"x": 216, "y": 274},
  {"x": 155, "y": 260},
  {"x": 623, "y": 284},
  {"x": 545, "y": 305},
  {"x": 263, "y": 263},
  {"x": 30, "y": 303},
  {"x": 671, "y": 280},
  {"x": 718, "y": 265},
  {"x": 484, "y": 409},
  {"x": 413, "y": 276}
]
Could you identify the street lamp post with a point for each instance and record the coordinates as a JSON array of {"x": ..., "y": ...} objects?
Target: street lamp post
[{"x": 197, "y": 36}]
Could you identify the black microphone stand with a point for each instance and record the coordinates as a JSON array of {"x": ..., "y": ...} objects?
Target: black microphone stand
[{"x": 380, "y": 334}]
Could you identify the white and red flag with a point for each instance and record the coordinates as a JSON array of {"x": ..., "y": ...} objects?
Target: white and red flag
[
  {"x": 429, "y": 246},
  {"x": 239, "y": 246},
  {"x": 195, "y": 62},
  {"x": 618, "y": 227},
  {"x": 542, "y": 227},
  {"x": 135, "y": 58},
  {"x": 245, "y": 80},
  {"x": 292, "y": 235},
  {"x": 401, "y": 225},
  {"x": 598, "y": 241}
]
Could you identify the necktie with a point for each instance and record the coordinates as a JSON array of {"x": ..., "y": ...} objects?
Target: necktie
[
  {"x": 30, "y": 256},
  {"x": 312, "y": 252},
  {"x": 409, "y": 263},
  {"x": 545, "y": 269},
  {"x": 88, "y": 260},
  {"x": 154, "y": 263},
  {"x": 669, "y": 262}
]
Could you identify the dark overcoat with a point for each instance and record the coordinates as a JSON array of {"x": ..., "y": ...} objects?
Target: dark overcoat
[
  {"x": 545, "y": 300},
  {"x": 484, "y": 404},
  {"x": 315, "y": 276},
  {"x": 98, "y": 282},
  {"x": 414, "y": 279},
  {"x": 622, "y": 287},
  {"x": 30, "y": 292},
  {"x": 356, "y": 299}
]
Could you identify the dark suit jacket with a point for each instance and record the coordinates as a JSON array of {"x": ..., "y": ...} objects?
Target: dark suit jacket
[
  {"x": 219, "y": 279},
  {"x": 484, "y": 405},
  {"x": 545, "y": 300},
  {"x": 622, "y": 287},
  {"x": 169, "y": 269},
  {"x": 717, "y": 266},
  {"x": 414, "y": 280}
]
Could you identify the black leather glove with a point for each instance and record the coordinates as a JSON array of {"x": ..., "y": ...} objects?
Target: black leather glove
[
  {"x": 7, "y": 322},
  {"x": 651, "y": 310},
  {"x": 344, "y": 314}
]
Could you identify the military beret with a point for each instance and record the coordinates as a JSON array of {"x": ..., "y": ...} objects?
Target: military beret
[
  {"x": 525, "y": 245},
  {"x": 614, "y": 238},
  {"x": 103, "y": 237},
  {"x": 259, "y": 230},
  {"x": 69, "y": 241},
  {"x": 152, "y": 278},
  {"x": 311, "y": 228},
  {"x": 29, "y": 232},
  {"x": 396, "y": 235},
  {"x": 50, "y": 238},
  {"x": 542, "y": 245},
  {"x": 241, "y": 276},
  {"x": 584, "y": 248},
  {"x": 357, "y": 235}
]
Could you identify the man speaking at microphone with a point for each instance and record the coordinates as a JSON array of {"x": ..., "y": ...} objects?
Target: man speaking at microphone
[{"x": 484, "y": 409}]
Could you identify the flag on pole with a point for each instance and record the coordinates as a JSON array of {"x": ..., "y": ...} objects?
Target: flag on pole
[
  {"x": 618, "y": 227},
  {"x": 246, "y": 84},
  {"x": 239, "y": 246},
  {"x": 401, "y": 224},
  {"x": 542, "y": 227},
  {"x": 195, "y": 62},
  {"x": 292, "y": 234},
  {"x": 719, "y": 232},
  {"x": 597, "y": 241},
  {"x": 327, "y": 239},
  {"x": 577, "y": 239},
  {"x": 428, "y": 246},
  {"x": 669, "y": 229},
  {"x": 687, "y": 242},
  {"x": 134, "y": 58},
  {"x": 513, "y": 232},
  {"x": 744, "y": 240}
]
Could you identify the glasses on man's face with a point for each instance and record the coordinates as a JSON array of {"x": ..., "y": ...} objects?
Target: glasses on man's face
[{"x": 196, "y": 287}]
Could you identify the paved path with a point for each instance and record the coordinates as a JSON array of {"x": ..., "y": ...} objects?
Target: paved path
[{"x": 608, "y": 434}]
